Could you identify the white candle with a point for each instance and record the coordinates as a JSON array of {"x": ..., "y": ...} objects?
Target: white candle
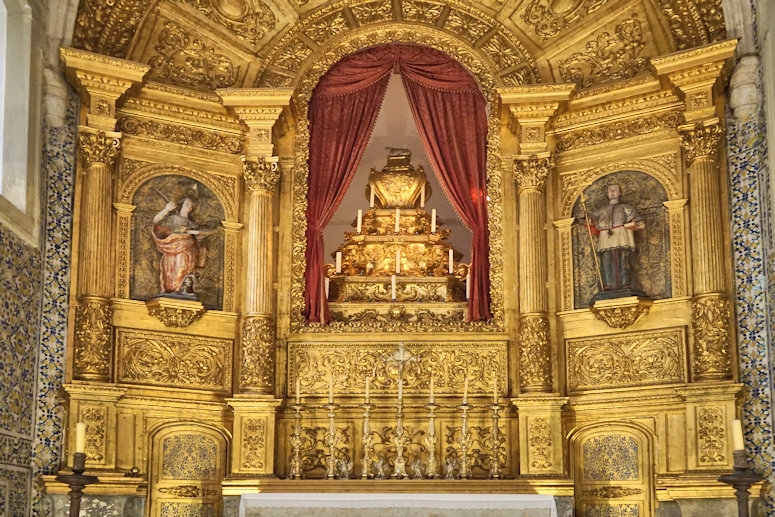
[
  {"x": 398, "y": 261},
  {"x": 298, "y": 388},
  {"x": 468, "y": 286},
  {"x": 433, "y": 221},
  {"x": 400, "y": 388},
  {"x": 80, "y": 437},
  {"x": 422, "y": 196},
  {"x": 359, "y": 222},
  {"x": 465, "y": 389},
  {"x": 451, "y": 260},
  {"x": 338, "y": 261},
  {"x": 398, "y": 219},
  {"x": 495, "y": 388},
  {"x": 432, "y": 398},
  {"x": 331, "y": 389},
  {"x": 327, "y": 285},
  {"x": 368, "y": 379},
  {"x": 737, "y": 435},
  {"x": 393, "y": 287},
  {"x": 371, "y": 197}
]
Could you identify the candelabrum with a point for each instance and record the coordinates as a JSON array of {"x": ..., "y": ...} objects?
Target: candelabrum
[
  {"x": 368, "y": 443},
  {"x": 741, "y": 479},
  {"x": 77, "y": 481},
  {"x": 465, "y": 443},
  {"x": 296, "y": 443},
  {"x": 331, "y": 439},
  {"x": 430, "y": 441},
  {"x": 495, "y": 465},
  {"x": 399, "y": 467}
]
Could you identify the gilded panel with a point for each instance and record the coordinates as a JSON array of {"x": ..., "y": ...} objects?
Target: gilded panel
[
  {"x": 249, "y": 21},
  {"x": 159, "y": 261},
  {"x": 611, "y": 457},
  {"x": 189, "y": 456},
  {"x": 349, "y": 366},
  {"x": 711, "y": 436},
  {"x": 637, "y": 359},
  {"x": 650, "y": 262},
  {"x": 174, "y": 360}
]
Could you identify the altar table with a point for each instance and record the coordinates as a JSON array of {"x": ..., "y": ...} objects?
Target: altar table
[{"x": 396, "y": 505}]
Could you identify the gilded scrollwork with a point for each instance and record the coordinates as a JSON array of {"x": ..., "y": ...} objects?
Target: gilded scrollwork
[
  {"x": 174, "y": 360},
  {"x": 608, "y": 57},
  {"x": 261, "y": 174},
  {"x": 176, "y": 315},
  {"x": 96, "y": 433},
  {"x": 249, "y": 21},
  {"x": 611, "y": 457},
  {"x": 694, "y": 23},
  {"x": 711, "y": 436},
  {"x": 181, "y": 135},
  {"x": 711, "y": 318},
  {"x": 107, "y": 26},
  {"x": 612, "y": 492},
  {"x": 702, "y": 141},
  {"x": 480, "y": 449},
  {"x": 623, "y": 315},
  {"x": 315, "y": 451},
  {"x": 253, "y": 451},
  {"x": 535, "y": 353},
  {"x": 617, "y": 130},
  {"x": 531, "y": 172},
  {"x": 547, "y": 23},
  {"x": 258, "y": 351},
  {"x": 626, "y": 360},
  {"x": 98, "y": 147},
  {"x": 185, "y": 60},
  {"x": 190, "y": 456},
  {"x": 539, "y": 443},
  {"x": 192, "y": 491},
  {"x": 93, "y": 338}
]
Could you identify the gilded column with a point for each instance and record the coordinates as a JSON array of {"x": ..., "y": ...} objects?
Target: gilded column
[
  {"x": 100, "y": 81},
  {"x": 700, "y": 76},
  {"x": 535, "y": 350}
]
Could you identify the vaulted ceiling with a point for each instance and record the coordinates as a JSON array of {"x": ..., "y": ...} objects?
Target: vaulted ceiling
[{"x": 210, "y": 44}]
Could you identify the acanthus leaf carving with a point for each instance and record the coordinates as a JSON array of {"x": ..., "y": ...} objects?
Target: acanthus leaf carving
[
  {"x": 711, "y": 317},
  {"x": 98, "y": 147},
  {"x": 540, "y": 443},
  {"x": 531, "y": 172},
  {"x": 175, "y": 313},
  {"x": 535, "y": 353},
  {"x": 93, "y": 332},
  {"x": 261, "y": 174},
  {"x": 711, "y": 435},
  {"x": 258, "y": 350},
  {"x": 701, "y": 140}
]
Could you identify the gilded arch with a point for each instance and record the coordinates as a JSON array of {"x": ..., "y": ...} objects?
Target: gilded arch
[{"x": 486, "y": 79}]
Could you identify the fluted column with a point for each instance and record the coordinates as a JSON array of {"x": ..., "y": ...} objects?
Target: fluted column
[
  {"x": 530, "y": 109},
  {"x": 700, "y": 77},
  {"x": 259, "y": 109},
  {"x": 535, "y": 349},
  {"x": 100, "y": 81}
]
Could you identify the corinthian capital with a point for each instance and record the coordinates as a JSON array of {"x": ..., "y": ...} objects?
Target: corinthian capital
[
  {"x": 701, "y": 139},
  {"x": 531, "y": 171},
  {"x": 262, "y": 174},
  {"x": 98, "y": 146}
]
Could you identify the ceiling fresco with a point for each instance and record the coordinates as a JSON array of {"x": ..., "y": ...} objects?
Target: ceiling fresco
[{"x": 210, "y": 44}]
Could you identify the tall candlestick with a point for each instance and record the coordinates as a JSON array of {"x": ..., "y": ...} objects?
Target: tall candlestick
[
  {"x": 393, "y": 287},
  {"x": 368, "y": 379},
  {"x": 298, "y": 388},
  {"x": 422, "y": 196},
  {"x": 737, "y": 435},
  {"x": 331, "y": 389},
  {"x": 433, "y": 221},
  {"x": 359, "y": 221},
  {"x": 432, "y": 398},
  {"x": 398, "y": 219},
  {"x": 451, "y": 261},
  {"x": 338, "y": 261},
  {"x": 80, "y": 437},
  {"x": 465, "y": 389},
  {"x": 398, "y": 261},
  {"x": 371, "y": 197}
]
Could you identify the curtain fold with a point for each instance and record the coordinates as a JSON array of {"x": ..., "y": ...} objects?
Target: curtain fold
[{"x": 449, "y": 110}]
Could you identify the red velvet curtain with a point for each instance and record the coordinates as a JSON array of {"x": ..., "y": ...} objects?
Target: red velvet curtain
[{"x": 450, "y": 114}]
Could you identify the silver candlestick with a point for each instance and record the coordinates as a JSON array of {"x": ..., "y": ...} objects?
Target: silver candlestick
[
  {"x": 431, "y": 440},
  {"x": 368, "y": 443},
  {"x": 465, "y": 443},
  {"x": 296, "y": 443},
  {"x": 331, "y": 441},
  {"x": 495, "y": 466}
]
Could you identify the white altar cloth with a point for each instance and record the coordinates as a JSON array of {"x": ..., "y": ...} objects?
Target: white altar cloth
[{"x": 389, "y": 504}]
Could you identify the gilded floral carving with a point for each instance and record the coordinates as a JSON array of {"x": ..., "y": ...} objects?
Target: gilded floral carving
[
  {"x": 540, "y": 443},
  {"x": 616, "y": 131},
  {"x": 258, "y": 350},
  {"x": 711, "y": 435},
  {"x": 502, "y": 52},
  {"x": 187, "y": 61},
  {"x": 621, "y": 316},
  {"x": 181, "y": 135},
  {"x": 189, "y": 491},
  {"x": 535, "y": 354},
  {"x": 420, "y": 11},
  {"x": 466, "y": 25},
  {"x": 327, "y": 27},
  {"x": 626, "y": 360},
  {"x": 176, "y": 316},
  {"x": 607, "y": 57},
  {"x": 93, "y": 343},
  {"x": 702, "y": 141},
  {"x": 293, "y": 56},
  {"x": 261, "y": 174},
  {"x": 253, "y": 449},
  {"x": 547, "y": 23},
  {"x": 96, "y": 438},
  {"x": 98, "y": 147},
  {"x": 190, "y": 456},
  {"x": 372, "y": 12},
  {"x": 611, "y": 457},
  {"x": 174, "y": 360},
  {"x": 531, "y": 172},
  {"x": 711, "y": 317},
  {"x": 612, "y": 492},
  {"x": 249, "y": 21}
]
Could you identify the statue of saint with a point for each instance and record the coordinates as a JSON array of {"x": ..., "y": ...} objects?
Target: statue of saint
[
  {"x": 614, "y": 225},
  {"x": 182, "y": 246}
]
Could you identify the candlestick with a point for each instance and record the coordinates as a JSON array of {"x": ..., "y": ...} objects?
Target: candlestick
[
  {"x": 298, "y": 388},
  {"x": 80, "y": 437},
  {"x": 398, "y": 219},
  {"x": 432, "y": 398},
  {"x": 371, "y": 197},
  {"x": 338, "y": 262},
  {"x": 359, "y": 221},
  {"x": 398, "y": 261},
  {"x": 393, "y": 287},
  {"x": 737, "y": 435},
  {"x": 367, "y": 389},
  {"x": 422, "y": 196},
  {"x": 451, "y": 261},
  {"x": 433, "y": 221},
  {"x": 77, "y": 481}
]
